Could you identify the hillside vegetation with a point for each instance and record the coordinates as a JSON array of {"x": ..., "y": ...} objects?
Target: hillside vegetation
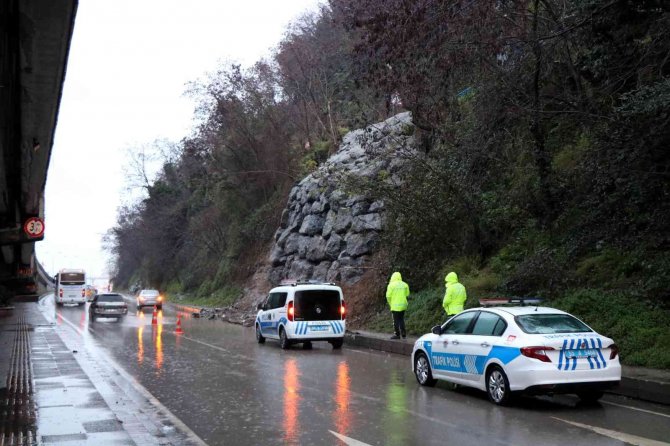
[{"x": 544, "y": 132}]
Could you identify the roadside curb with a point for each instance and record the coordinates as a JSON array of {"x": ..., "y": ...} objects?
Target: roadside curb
[
  {"x": 186, "y": 308},
  {"x": 639, "y": 383}
]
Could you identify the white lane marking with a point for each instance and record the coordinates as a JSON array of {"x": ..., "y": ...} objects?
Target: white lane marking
[
  {"x": 145, "y": 393},
  {"x": 636, "y": 408},
  {"x": 626, "y": 438},
  {"x": 348, "y": 441}
]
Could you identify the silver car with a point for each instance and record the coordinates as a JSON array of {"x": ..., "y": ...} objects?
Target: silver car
[
  {"x": 149, "y": 298},
  {"x": 107, "y": 305}
]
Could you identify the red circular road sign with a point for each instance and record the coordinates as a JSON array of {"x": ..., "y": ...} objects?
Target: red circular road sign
[{"x": 34, "y": 227}]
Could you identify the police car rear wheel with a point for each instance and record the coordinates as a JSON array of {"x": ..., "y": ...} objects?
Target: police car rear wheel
[
  {"x": 422, "y": 371},
  {"x": 336, "y": 343},
  {"x": 590, "y": 396},
  {"x": 284, "y": 342},
  {"x": 259, "y": 335},
  {"x": 497, "y": 386}
]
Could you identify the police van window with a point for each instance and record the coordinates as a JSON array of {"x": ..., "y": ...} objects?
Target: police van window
[
  {"x": 486, "y": 324},
  {"x": 273, "y": 298},
  {"x": 459, "y": 324},
  {"x": 282, "y": 299}
]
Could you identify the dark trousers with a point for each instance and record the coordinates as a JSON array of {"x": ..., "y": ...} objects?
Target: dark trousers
[{"x": 399, "y": 323}]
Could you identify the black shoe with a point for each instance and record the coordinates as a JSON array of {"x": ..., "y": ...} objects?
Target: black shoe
[
  {"x": 395, "y": 337},
  {"x": 404, "y": 336}
]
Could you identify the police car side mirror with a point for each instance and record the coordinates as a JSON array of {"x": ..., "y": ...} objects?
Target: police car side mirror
[
  {"x": 260, "y": 306},
  {"x": 436, "y": 330}
]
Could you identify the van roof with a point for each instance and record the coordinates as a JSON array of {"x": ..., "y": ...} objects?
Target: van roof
[{"x": 305, "y": 286}]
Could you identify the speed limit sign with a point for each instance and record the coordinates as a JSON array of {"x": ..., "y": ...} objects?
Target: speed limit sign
[{"x": 34, "y": 227}]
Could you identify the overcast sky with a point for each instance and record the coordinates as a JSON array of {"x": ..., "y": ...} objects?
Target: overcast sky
[{"x": 128, "y": 66}]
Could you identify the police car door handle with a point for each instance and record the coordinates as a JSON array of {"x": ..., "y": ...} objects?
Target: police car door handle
[
  {"x": 485, "y": 344},
  {"x": 455, "y": 342}
]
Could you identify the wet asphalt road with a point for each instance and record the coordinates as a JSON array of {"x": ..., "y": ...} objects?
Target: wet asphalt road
[{"x": 230, "y": 390}]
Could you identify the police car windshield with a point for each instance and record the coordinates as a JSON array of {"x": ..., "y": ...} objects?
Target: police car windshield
[{"x": 550, "y": 323}]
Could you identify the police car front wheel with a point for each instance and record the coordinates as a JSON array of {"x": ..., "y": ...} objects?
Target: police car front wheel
[{"x": 422, "y": 371}]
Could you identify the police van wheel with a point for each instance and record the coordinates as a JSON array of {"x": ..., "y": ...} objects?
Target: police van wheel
[
  {"x": 497, "y": 386},
  {"x": 422, "y": 371},
  {"x": 284, "y": 342},
  {"x": 337, "y": 343},
  {"x": 259, "y": 336}
]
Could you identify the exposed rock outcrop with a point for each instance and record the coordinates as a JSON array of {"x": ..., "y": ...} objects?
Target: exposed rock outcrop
[{"x": 327, "y": 234}]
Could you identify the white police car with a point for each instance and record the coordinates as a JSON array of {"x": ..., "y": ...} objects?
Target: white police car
[
  {"x": 302, "y": 312},
  {"x": 529, "y": 349}
]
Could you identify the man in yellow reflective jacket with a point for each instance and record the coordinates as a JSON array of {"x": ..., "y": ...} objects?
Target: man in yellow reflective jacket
[
  {"x": 396, "y": 296},
  {"x": 454, "y": 296}
]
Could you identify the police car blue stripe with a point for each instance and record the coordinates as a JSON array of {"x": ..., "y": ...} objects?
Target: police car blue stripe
[
  {"x": 567, "y": 360},
  {"x": 560, "y": 354},
  {"x": 593, "y": 345},
  {"x": 304, "y": 327},
  {"x": 600, "y": 353},
  {"x": 574, "y": 361},
  {"x": 589, "y": 358},
  {"x": 332, "y": 327},
  {"x": 339, "y": 325},
  {"x": 339, "y": 328}
]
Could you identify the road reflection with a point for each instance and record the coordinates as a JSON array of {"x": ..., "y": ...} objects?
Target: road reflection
[
  {"x": 158, "y": 343},
  {"x": 291, "y": 401},
  {"x": 395, "y": 418},
  {"x": 342, "y": 417},
  {"x": 140, "y": 345}
]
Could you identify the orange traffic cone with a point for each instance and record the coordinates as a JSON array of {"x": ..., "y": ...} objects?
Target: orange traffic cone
[
  {"x": 154, "y": 320},
  {"x": 179, "y": 330}
]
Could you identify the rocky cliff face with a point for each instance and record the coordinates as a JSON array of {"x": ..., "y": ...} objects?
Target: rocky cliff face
[{"x": 327, "y": 233}]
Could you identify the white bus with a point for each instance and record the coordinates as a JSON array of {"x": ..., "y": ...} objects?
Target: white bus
[{"x": 70, "y": 287}]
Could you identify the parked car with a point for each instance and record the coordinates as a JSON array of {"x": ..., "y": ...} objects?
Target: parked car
[
  {"x": 149, "y": 298},
  {"x": 302, "y": 312},
  {"x": 520, "y": 349},
  {"x": 107, "y": 305}
]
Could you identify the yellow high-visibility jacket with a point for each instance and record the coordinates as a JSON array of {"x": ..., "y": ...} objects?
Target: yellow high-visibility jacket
[{"x": 397, "y": 292}]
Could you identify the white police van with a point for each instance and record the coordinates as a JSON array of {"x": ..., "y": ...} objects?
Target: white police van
[{"x": 302, "y": 312}]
